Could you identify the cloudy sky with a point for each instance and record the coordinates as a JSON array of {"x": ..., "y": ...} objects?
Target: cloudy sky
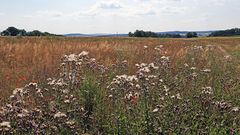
[{"x": 122, "y": 16}]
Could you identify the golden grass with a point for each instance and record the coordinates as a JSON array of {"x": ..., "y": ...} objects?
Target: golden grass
[{"x": 25, "y": 59}]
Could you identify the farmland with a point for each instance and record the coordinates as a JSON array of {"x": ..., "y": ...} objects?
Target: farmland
[{"x": 120, "y": 85}]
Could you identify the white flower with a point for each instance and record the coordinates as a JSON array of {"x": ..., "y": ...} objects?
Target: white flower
[
  {"x": 60, "y": 115},
  {"x": 166, "y": 89},
  {"x": 165, "y": 58},
  {"x": 145, "y": 47},
  {"x": 72, "y": 57},
  {"x": 83, "y": 53},
  {"x": 155, "y": 110},
  {"x": 151, "y": 65},
  {"x": 158, "y": 47},
  {"x": 70, "y": 122},
  {"x": 235, "y": 109},
  {"x": 207, "y": 90},
  {"x": 178, "y": 96},
  {"x": 145, "y": 69},
  {"x": 138, "y": 86},
  {"x": 67, "y": 101},
  {"x": 193, "y": 68},
  {"x": 206, "y": 70},
  {"x": 5, "y": 124},
  {"x": 18, "y": 90}
]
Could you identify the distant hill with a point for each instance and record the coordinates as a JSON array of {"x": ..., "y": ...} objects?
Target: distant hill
[
  {"x": 182, "y": 33},
  {"x": 94, "y": 35}
]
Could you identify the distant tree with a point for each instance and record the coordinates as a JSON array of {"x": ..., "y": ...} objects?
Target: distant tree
[
  {"x": 141, "y": 33},
  {"x": 22, "y": 33},
  {"x": 35, "y": 33},
  {"x": 13, "y": 31},
  {"x": 5, "y": 33},
  {"x": 130, "y": 34},
  {"x": 229, "y": 32},
  {"x": 191, "y": 34}
]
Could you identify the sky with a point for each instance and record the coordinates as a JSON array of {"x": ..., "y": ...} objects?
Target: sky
[{"x": 119, "y": 16}]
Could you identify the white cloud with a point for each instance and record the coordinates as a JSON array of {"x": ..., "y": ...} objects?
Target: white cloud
[
  {"x": 109, "y": 8},
  {"x": 108, "y": 4}
]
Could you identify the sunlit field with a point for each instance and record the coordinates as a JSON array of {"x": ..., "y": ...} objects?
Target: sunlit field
[{"x": 124, "y": 86}]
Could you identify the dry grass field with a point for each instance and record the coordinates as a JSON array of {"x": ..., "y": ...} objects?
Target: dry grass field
[
  {"x": 35, "y": 59},
  {"x": 24, "y": 60}
]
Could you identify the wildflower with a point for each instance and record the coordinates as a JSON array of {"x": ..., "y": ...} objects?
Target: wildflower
[
  {"x": 235, "y": 109},
  {"x": 93, "y": 60},
  {"x": 83, "y": 54},
  {"x": 32, "y": 84},
  {"x": 207, "y": 90},
  {"x": 198, "y": 48},
  {"x": 110, "y": 96},
  {"x": 5, "y": 125},
  {"x": 138, "y": 86},
  {"x": 134, "y": 98},
  {"x": 72, "y": 57},
  {"x": 166, "y": 89},
  {"x": 158, "y": 47},
  {"x": 67, "y": 101},
  {"x": 178, "y": 96},
  {"x": 161, "y": 98},
  {"x": 18, "y": 90},
  {"x": 151, "y": 65},
  {"x": 145, "y": 69},
  {"x": 206, "y": 70},
  {"x": 165, "y": 58},
  {"x": 227, "y": 56},
  {"x": 145, "y": 47},
  {"x": 70, "y": 122},
  {"x": 60, "y": 115},
  {"x": 157, "y": 108},
  {"x": 186, "y": 65},
  {"x": 193, "y": 68}
]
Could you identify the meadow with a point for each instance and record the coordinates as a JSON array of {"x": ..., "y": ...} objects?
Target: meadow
[{"x": 128, "y": 86}]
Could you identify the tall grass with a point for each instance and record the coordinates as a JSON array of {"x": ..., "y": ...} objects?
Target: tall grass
[{"x": 123, "y": 86}]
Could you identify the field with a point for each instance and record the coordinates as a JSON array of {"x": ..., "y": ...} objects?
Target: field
[{"x": 119, "y": 85}]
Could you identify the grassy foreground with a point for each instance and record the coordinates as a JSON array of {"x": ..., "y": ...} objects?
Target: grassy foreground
[{"x": 120, "y": 86}]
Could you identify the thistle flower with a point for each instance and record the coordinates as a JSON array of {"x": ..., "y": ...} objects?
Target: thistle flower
[
  {"x": 235, "y": 109},
  {"x": 5, "y": 125},
  {"x": 60, "y": 115},
  {"x": 206, "y": 70},
  {"x": 159, "y": 47},
  {"x": 207, "y": 90},
  {"x": 83, "y": 54}
]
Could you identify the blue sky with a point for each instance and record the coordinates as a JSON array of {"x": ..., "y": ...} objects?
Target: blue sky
[{"x": 122, "y": 16}]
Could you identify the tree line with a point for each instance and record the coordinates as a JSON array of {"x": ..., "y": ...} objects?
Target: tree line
[
  {"x": 12, "y": 31},
  {"x": 229, "y": 32},
  {"x": 141, "y": 33}
]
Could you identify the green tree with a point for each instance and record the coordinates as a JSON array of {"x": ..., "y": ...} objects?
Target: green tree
[{"x": 191, "y": 34}]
